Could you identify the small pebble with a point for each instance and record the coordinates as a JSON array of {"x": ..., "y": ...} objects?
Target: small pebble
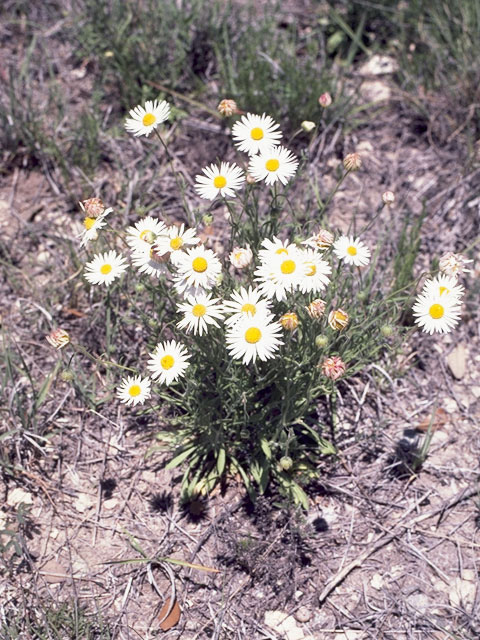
[{"x": 303, "y": 614}]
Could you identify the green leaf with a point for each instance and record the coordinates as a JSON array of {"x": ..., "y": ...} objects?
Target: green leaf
[
  {"x": 177, "y": 460},
  {"x": 221, "y": 458},
  {"x": 266, "y": 449}
]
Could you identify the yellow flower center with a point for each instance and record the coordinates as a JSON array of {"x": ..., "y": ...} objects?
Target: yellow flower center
[
  {"x": 443, "y": 290},
  {"x": 199, "y": 265},
  {"x": 148, "y": 119},
  {"x": 272, "y": 164},
  {"x": 311, "y": 269},
  {"x": 436, "y": 311},
  {"x": 288, "y": 266},
  {"x": 89, "y": 222},
  {"x": 281, "y": 250},
  {"x": 352, "y": 251},
  {"x": 167, "y": 362},
  {"x": 105, "y": 268},
  {"x": 134, "y": 390},
  {"x": 256, "y": 133},
  {"x": 248, "y": 307},
  {"x": 176, "y": 243},
  {"x": 253, "y": 335},
  {"x": 219, "y": 182},
  {"x": 199, "y": 310},
  {"x": 144, "y": 233}
]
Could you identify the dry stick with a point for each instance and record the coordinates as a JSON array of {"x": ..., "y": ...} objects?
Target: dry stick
[{"x": 385, "y": 539}]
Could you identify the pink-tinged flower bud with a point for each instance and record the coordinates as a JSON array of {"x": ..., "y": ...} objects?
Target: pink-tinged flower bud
[
  {"x": 338, "y": 319},
  {"x": 316, "y": 308},
  {"x": 93, "y": 207},
  {"x": 241, "y": 257},
  {"x": 325, "y": 100},
  {"x": 352, "y": 162},
  {"x": 227, "y": 107},
  {"x": 321, "y": 240},
  {"x": 333, "y": 367},
  {"x": 250, "y": 179},
  {"x": 58, "y": 338},
  {"x": 388, "y": 197},
  {"x": 289, "y": 321},
  {"x": 452, "y": 264}
]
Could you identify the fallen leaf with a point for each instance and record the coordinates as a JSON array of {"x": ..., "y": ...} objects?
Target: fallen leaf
[
  {"x": 173, "y": 617},
  {"x": 457, "y": 361},
  {"x": 440, "y": 419}
]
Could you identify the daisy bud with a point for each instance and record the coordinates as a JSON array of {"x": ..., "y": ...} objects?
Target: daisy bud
[
  {"x": 333, "y": 367},
  {"x": 241, "y": 257},
  {"x": 308, "y": 126},
  {"x": 250, "y": 179},
  {"x": 321, "y": 341},
  {"x": 67, "y": 375},
  {"x": 286, "y": 463},
  {"x": 93, "y": 207},
  {"x": 149, "y": 237},
  {"x": 386, "y": 330},
  {"x": 140, "y": 287},
  {"x": 452, "y": 264},
  {"x": 338, "y": 319},
  {"x": 352, "y": 162},
  {"x": 325, "y": 100},
  {"x": 207, "y": 219},
  {"x": 323, "y": 239},
  {"x": 388, "y": 197},
  {"x": 58, "y": 338},
  {"x": 227, "y": 107},
  {"x": 316, "y": 308},
  {"x": 289, "y": 321}
]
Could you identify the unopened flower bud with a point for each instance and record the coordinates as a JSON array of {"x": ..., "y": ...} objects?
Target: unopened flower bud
[
  {"x": 388, "y": 197},
  {"x": 58, "y": 338},
  {"x": 207, "y": 219},
  {"x": 321, "y": 240},
  {"x": 308, "y": 126},
  {"x": 386, "y": 330},
  {"x": 325, "y": 100},
  {"x": 321, "y": 341},
  {"x": 333, "y": 367},
  {"x": 286, "y": 463},
  {"x": 289, "y": 321},
  {"x": 338, "y": 319},
  {"x": 452, "y": 264},
  {"x": 152, "y": 323},
  {"x": 149, "y": 237},
  {"x": 67, "y": 375},
  {"x": 241, "y": 257},
  {"x": 250, "y": 179},
  {"x": 140, "y": 287},
  {"x": 316, "y": 308},
  {"x": 352, "y": 162},
  {"x": 93, "y": 207},
  {"x": 227, "y": 107}
]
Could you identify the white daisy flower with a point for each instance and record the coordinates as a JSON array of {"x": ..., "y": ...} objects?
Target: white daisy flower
[
  {"x": 197, "y": 268},
  {"x": 277, "y": 163},
  {"x": 145, "y": 232},
  {"x": 315, "y": 272},
  {"x": 241, "y": 257},
  {"x": 436, "y": 313},
  {"x": 104, "y": 268},
  {"x": 352, "y": 251},
  {"x": 280, "y": 274},
  {"x": 274, "y": 247},
  {"x": 223, "y": 180},
  {"x": 169, "y": 361},
  {"x": 175, "y": 240},
  {"x": 443, "y": 285},
  {"x": 145, "y": 119},
  {"x": 254, "y": 134},
  {"x": 453, "y": 264},
  {"x": 92, "y": 227},
  {"x": 200, "y": 312},
  {"x": 253, "y": 337},
  {"x": 148, "y": 261},
  {"x": 245, "y": 303},
  {"x": 134, "y": 390}
]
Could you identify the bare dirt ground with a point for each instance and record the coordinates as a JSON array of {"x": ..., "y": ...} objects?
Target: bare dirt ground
[{"x": 389, "y": 548}]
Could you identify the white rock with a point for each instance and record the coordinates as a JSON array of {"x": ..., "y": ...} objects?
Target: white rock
[
  {"x": 18, "y": 496},
  {"x": 377, "y": 65},
  {"x": 377, "y": 581}
]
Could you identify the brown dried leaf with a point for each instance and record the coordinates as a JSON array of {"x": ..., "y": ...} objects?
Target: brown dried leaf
[
  {"x": 173, "y": 617},
  {"x": 53, "y": 572},
  {"x": 439, "y": 420}
]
